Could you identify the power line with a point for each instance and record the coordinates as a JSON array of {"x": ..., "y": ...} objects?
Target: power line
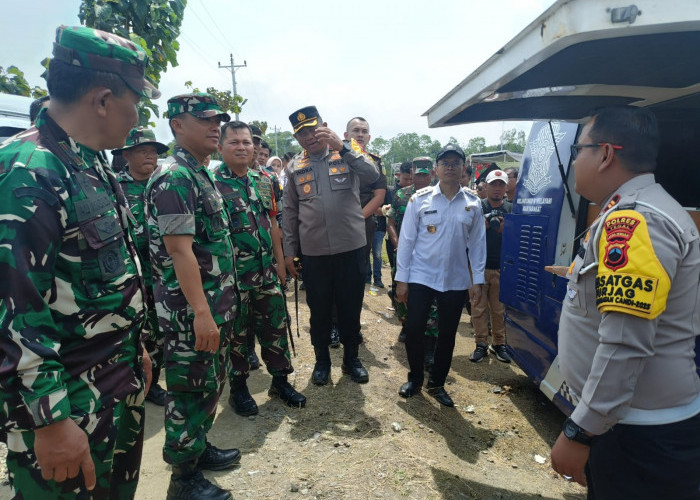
[
  {"x": 224, "y": 44},
  {"x": 216, "y": 25}
]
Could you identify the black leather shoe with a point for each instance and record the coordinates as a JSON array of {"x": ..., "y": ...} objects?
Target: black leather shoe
[
  {"x": 188, "y": 483},
  {"x": 321, "y": 374},
  {"x": 354, "y": 368},
  {"x": 441, "y": 396},
  {"x": 280, "y": 387},
  {"x": 215, "y": 458},
  {"x": 156, "y": 395},
  {"x": 242, "y": 402},
  {"x": 253, "y": 360},
  {"x": 409, "y": 389},
  {"x": 402, "y": 336}
]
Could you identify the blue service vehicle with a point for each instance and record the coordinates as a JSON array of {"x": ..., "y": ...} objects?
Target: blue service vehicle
[{"x": 575, "y": 57}]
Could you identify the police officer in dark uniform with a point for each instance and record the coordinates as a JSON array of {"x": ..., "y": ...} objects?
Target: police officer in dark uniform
[{"x": 322, "y": 214}]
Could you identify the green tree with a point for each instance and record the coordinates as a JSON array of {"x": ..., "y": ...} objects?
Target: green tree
[
  {"x": 282, "y": 142},
  {"x": 475, "y": 145},
  {"x": 13, "y": 81},
  {"x": 513, "y": 140},
  {"x": 225, "y": 98},
  {"x": 404, "y": 147},
  {"x": 262, "y": 125},
  {"x": 152, "y": 24}
]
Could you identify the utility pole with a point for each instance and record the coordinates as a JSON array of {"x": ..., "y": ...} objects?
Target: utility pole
[{"x": 233, "y": 67}]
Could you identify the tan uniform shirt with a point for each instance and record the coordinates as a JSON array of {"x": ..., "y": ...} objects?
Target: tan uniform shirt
[
  {"x": 632, "y": 311},
  {"x": 322, "y": 202}
]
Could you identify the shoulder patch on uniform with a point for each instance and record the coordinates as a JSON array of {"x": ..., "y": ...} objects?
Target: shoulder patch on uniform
[
  {"x": 424, "y": 191},
  {"x": 630, "y": 278}
]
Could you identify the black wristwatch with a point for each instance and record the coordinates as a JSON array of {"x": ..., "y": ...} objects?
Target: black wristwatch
[
  {"x": 576, "y": 433},
  {"x": 345, "y": 149}
]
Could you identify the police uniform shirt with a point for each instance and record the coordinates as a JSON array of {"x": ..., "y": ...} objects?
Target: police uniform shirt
[
  {"x": 631, "y": 313},
  {"x": 322, "y": 203},
  {"x": 435, "y": 233}
]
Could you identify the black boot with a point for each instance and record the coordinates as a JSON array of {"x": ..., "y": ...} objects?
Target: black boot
[
  {"x": 240, "y": 399},
  {"x": 253, "y": 359},
  {"x": 188, "y": 483},
  {"x": 353, "y": 366},
  {"x": 429, "y": 352},
  {"x": 322, "y": 369},
  {"x": 214, "y": 458},
  {"x": 280, "y": 387}
]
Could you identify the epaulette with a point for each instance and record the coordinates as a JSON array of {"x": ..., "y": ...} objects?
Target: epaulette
[
  {"x": 424, "y": 191},
  {"x": 470, "y": 192}
]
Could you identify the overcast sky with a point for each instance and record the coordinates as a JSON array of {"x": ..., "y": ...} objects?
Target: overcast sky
[{"x": 388, "y": 61}]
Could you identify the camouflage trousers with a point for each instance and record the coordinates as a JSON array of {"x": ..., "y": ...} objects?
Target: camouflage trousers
[
  {"x": 153, "y": 339},
  {"x": 195, "y": 380},
  {"x": 261, "y": 311},
  {"x": 431, "y": 329},
  {"x": 116, "y": 441}
]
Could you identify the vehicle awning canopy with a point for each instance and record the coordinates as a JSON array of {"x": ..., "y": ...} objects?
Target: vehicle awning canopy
[{"x": 574, "y": 58}]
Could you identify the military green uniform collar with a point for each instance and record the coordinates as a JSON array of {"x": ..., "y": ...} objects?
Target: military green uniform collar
[
  {"x": 83, "y": 157},
  {"x": 188, "y": 157}
]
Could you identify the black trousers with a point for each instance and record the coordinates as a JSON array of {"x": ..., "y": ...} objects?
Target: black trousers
[
  {"x": 338, "y": 279},
  {"x": 646, "y": 462},
  {"x": 449, "y": 306}
]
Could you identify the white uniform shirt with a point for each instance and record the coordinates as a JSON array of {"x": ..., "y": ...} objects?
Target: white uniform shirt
[{"x": 435, "y": 235}]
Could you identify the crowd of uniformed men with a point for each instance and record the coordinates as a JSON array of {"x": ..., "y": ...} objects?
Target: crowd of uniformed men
[{"x": 116, "y": 272}]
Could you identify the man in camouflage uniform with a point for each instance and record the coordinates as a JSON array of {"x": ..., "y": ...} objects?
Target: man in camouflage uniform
[
  {"x": 141, "y": 156},
  {"x": 194, "y": 289},
  {"x": 422, "y": 173},
  {"x": 71, "y": 302},
  {"x": 251, "y": 207}
]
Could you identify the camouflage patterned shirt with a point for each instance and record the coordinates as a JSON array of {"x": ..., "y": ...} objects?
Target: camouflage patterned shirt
[
  {"x": 71, "y": 299},
  {"x": 181, "y": 198},
  {"x": 399, "y": 204},
  {"x": 135, "y": 193},
  {"x": 250, "y": 203}
]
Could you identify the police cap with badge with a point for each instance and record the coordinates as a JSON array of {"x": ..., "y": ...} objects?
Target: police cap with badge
[{"x": 305, "y": 117}]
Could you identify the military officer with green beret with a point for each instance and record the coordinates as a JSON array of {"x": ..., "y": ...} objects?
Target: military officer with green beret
[
  {"x": 141, "y": 156},
  {"x": 72, "y": 302},
  {"x": 195, "y": 293},
  {"x": 251, "y": 206}
]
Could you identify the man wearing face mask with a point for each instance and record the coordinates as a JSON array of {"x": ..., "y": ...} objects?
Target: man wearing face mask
[{"x": 323, "y": 216}]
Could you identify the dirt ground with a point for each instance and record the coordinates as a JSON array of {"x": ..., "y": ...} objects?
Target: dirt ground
[{"x": 357, "y": 441}]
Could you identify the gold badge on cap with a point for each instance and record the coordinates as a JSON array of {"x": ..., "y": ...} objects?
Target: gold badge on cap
[
  {"x": 301, "y": 116},
  {"x": 431, "y": 228}
]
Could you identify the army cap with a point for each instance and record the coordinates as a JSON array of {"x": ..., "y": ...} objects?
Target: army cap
[
  {"x": 199, "y": 104},
  {"x": 305, "y": 117},
  {"x": 451, "y": 148},
  {"x": 138, "y": 136},
  {"x": 101, "y": 51},
  {"x": 422, "y": 165}
]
